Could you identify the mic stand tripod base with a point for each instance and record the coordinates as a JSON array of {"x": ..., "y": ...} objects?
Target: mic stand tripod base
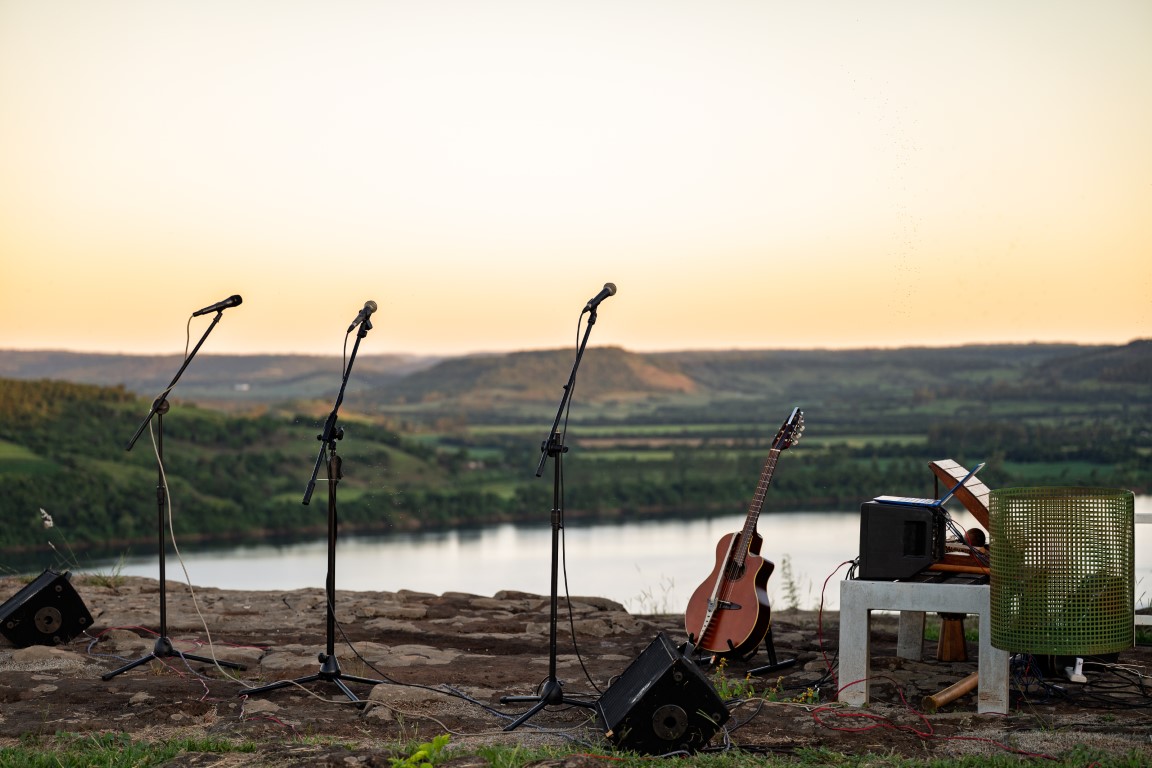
[
  {"x": 164, "y": 650},
  {"x": 551, "y": 694},
  {"x": 329, "y": 672}
]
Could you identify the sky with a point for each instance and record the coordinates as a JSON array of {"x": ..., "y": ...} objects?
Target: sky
[{"x": 755, "y": 175}]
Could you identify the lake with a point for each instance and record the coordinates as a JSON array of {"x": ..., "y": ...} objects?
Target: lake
[{"x": 649, "y": 567}]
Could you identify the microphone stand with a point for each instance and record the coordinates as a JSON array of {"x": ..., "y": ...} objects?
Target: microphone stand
[
  {"x": 329, "y": 667},
  {"x": 551, "y": 692},
  {"x": 163, "y": 648}
]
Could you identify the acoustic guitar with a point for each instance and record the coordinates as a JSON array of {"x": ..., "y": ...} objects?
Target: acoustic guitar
[{"x": 729, "y": 614}]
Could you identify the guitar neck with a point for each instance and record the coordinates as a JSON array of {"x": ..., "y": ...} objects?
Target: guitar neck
[{"x": 756, "y": 505}]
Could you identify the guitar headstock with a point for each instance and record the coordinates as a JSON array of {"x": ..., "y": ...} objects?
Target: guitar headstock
[{"x": 790, "y": 431}]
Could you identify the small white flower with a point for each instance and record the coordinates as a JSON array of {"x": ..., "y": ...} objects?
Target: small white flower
[{"x": 45, "y": 518}]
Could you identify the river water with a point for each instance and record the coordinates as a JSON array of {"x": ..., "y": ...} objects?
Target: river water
[{"x": 650, "y": 567}]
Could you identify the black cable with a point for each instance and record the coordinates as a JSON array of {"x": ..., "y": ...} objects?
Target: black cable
[
  {"x": 443, "y": 690},
  {"x": 962, "y": 538},
  {"x": 1110, "y": 687},
  {"x": 567, "y": 595}
]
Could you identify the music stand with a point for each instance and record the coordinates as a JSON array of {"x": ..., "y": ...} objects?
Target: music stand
[
  {"x": 551, "y": 691},
  {"x": 329, "y": 666},
  {"x": 163, "y": 647}
]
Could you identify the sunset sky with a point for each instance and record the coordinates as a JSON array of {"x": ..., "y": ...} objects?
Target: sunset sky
[{"x": 750, "y": 174}]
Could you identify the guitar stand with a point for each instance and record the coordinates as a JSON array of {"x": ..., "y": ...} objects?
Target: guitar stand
[{"x": 773, "y": 664}]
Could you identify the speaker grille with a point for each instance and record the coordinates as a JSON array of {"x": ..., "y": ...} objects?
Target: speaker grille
[
  {"x": 45, "y": 612},
  {"x": 898, "y": 541},
  {"x": 661, "y": 703}
]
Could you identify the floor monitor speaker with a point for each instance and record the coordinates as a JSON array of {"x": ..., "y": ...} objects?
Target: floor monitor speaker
[
  {"x": 898, "y": 541},
  {"x": 45, "y": 612},
  {"x": 662, "y": 703}
]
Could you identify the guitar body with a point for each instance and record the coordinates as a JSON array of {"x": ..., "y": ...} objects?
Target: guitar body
[
  {"x": 743, "y": 614},
  {"x": 729, "y": 614}
]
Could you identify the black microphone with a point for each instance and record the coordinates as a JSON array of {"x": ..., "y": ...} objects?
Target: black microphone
[
  {"x": 369, "y": 308},
  {"x": 609, "y": 290},
  {"x": 219, "y": 306}
]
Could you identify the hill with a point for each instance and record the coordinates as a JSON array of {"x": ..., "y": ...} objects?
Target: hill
[
  {"x": 217, "y": 379},
  {"x": 486, "y": 384},
  {"x": 449, "y": 442}
]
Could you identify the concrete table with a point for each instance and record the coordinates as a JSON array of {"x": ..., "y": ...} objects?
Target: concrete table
[
  {"x": 1143, "y": 619},
  {"x": 859, "y": 598}
]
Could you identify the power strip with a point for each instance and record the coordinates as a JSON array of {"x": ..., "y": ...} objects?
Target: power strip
[{"x": 1076, "y": 673}]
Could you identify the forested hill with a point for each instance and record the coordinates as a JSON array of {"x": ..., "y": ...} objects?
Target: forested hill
[
  {"x": 606, "y": 373},
  {"x": 216, "y": 378},
  {"x": 446, "y": 442}
]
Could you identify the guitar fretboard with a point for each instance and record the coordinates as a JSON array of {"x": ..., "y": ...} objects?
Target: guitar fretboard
[{"x": 755, "y": 507}]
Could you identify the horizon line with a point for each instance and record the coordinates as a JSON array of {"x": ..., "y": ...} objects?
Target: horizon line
[{"x": 492, "y": 352}]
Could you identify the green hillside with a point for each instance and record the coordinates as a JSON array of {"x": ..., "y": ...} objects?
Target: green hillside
[
  {"x": 456, "y": 441},
  {"x": 63, "y": 449}
]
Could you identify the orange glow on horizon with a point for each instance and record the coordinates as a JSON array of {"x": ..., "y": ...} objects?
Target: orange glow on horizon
[{"x": 749, "y": 175}]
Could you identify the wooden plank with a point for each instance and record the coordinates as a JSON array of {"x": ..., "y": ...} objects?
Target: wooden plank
[{"x": 973, "y": 494}]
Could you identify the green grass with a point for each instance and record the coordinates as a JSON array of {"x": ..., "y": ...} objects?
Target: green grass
[
  {"x": 493, "y": 429},
  {"x": 109, "y": 750},
  {"x": 406, "y": 467},
  {"x": 933, "y": 623},
  {"x": 518, "y": 756},
  {"x": 17, "y": 459},
  {"x": 613, "y": 454},
  {"x": 631, "y": 430},
  {"x": 860, "y": 441},
  {"x": 1043, "y": 471},
  {"x": 504, "y": 489},
  {"x": 118, "y": 750},
  {"x": 11, "y": 451}
]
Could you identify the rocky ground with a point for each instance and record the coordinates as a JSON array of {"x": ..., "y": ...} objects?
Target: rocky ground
[{"x": 443, "y": 663}]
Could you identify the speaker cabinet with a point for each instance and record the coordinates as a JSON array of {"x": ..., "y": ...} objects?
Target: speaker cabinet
[
  {"x": 897, "y": 541},
  {"x": 46, "y": 612},
  {"x": 661, "y": 703}
]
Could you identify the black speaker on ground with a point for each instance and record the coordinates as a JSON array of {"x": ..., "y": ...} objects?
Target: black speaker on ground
[
  {"x": 897, "y": 541},
  {"x": 45, "y": 612},
  {"x": 661, "y": 703}
]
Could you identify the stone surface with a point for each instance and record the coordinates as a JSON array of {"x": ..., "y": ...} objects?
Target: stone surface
[{"x": 442, "y": 663}]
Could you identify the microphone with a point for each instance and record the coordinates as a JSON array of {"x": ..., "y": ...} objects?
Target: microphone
[
  {"x": 609, "y": 290},
  {"x": 219, "y": 306},
  {"x": 369, "y": 308}
]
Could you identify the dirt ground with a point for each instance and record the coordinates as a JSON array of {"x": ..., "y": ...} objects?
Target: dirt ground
[{"x": 439, "y": 664}]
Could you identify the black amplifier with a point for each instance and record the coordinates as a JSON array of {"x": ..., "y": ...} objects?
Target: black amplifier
[
  {"x": 898, "y": 541},
  {"x": 662, "y": 703},
  {"x": 46, "y": 611}
]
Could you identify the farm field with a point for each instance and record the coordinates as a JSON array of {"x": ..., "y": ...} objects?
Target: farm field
[{"x": 437, "y": 444}]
